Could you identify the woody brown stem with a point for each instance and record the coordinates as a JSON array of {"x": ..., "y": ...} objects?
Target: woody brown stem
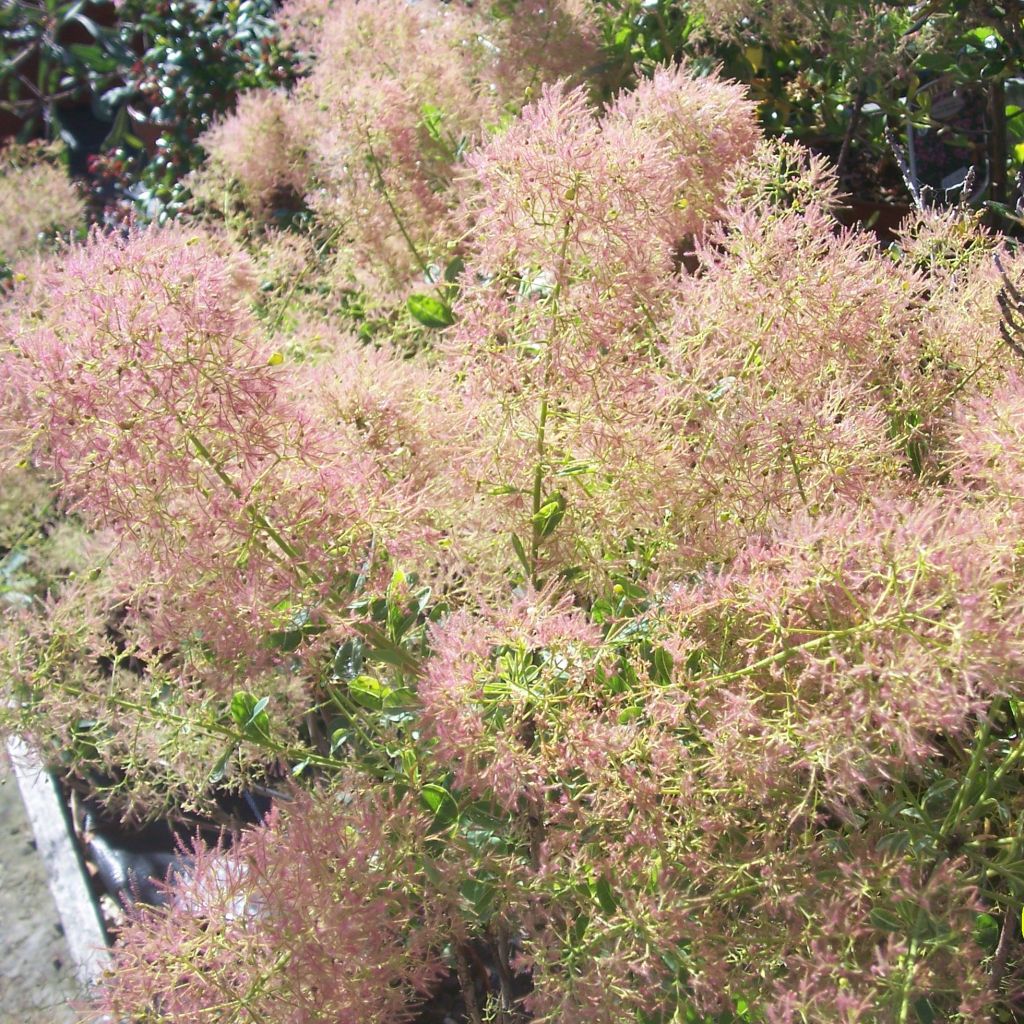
[
  {"x": 468, "y": 986},
  {"x": 504, "y": 964}
]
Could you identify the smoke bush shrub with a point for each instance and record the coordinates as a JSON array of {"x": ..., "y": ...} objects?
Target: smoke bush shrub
[{"x": 641, "y": 644}]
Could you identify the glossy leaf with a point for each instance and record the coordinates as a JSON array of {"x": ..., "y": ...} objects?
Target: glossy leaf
[
  {"x": 549, "y": 515},
  {"x": 249, "y": 714},
  {"x": 369, "y": 692},
  {"x": 441, "y": 803},
  {"x": 430, "y": 311}
]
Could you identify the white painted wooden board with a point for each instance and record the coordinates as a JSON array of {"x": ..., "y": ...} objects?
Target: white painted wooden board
[{"x": 45, "y": 808}]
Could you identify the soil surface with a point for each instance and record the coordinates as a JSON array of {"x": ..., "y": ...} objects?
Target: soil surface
[{"x": 37, "y": 978}]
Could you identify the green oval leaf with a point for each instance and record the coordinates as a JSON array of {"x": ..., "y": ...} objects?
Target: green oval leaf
[
  {"x": 454, "y": 268},
  {"x": 482, "y": 897},
  {"x": 369, "y": 692},
  {"x": 430, "y": 311},
  {"x": 986, "y": 932},
  {"x": 284, "y": 640},
  {"x": 441, "y": 804},
  {"x": 219, "y": 770},
  {"x": 549, "y": 515},
  {"x": 250, "y": 715},
  {"x": 663, "y": 666},
  {"x": 604, "y": 895}
]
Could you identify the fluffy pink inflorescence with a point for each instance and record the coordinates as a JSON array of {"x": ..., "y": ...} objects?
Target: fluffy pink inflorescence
[
  {"x": 262, "y": 146},
  {"x": 709, "y": 128},
  {"x": 36, "y": 197},
  {"x": 847, "y": 644},
  {"x": 139, "y": 375},
  {"x": 397, "y": 93},
  {"x": 990, "y": 444},
  {"x": 563, "y": 193},
  {"x": 571, "y": 262},
  {"x": 497, "y": 685},
  {"x": 538, "y": 41},
  {"x": 316, "y": 915}
]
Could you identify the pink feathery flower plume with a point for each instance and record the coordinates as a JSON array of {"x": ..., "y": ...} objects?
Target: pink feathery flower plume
[
  {"x": 317, "y": 914},
  {"x": 141, "y": 379}
]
